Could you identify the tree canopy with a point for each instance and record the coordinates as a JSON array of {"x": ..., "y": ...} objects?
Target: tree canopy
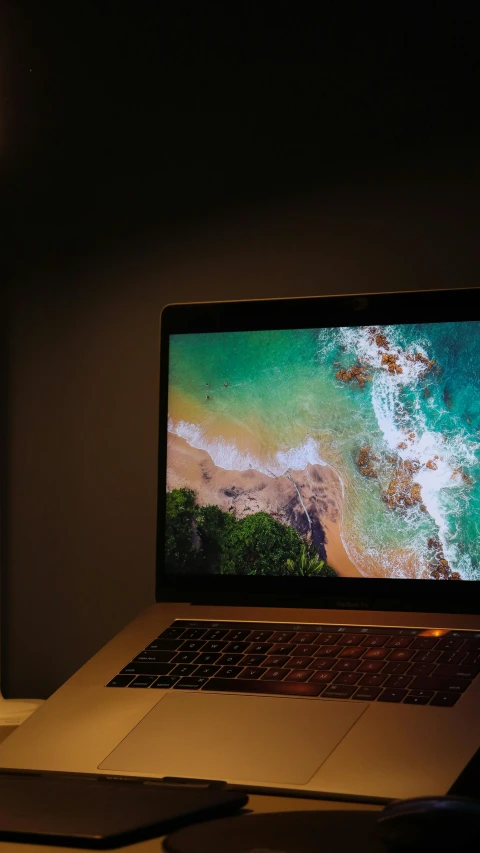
[{"x": 207, "y": 540}]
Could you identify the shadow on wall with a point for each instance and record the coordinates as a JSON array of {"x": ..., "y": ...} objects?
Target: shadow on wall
[{"x": 84, "y": 389}]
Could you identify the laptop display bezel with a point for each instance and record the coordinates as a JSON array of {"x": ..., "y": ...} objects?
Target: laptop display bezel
[{"x": 310, "y": 312}]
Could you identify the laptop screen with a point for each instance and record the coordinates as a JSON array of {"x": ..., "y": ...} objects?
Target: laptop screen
[{"x": 333, "y": 452}]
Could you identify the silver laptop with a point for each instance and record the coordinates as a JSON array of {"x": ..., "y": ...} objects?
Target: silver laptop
[{"x": 317, "y": 625}]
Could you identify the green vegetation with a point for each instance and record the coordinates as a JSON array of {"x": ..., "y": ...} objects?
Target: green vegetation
[
  {"x": 206, "y": 540},
  {"x": 310, "y": 566}
]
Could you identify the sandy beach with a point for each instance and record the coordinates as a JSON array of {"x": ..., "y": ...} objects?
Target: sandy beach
[{"x": 250, "y": 491}]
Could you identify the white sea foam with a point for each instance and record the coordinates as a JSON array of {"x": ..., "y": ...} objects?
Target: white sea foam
[
  {"x": 410, "y": 439},
  {"x": 226, "y": 455}
]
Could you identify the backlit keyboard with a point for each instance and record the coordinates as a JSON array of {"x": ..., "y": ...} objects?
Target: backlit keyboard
[{"x": 416, "y": 666}]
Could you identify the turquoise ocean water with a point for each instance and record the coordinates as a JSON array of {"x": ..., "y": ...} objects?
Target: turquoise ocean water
[{"x": 271, "y": 401}]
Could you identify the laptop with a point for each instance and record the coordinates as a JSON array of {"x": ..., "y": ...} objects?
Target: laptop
[{"x": 317, "y": 627}]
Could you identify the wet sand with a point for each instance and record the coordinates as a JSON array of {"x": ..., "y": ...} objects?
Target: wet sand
[
  {"x": 246, "y": 492},
  {"x": 337, "y": 556}
]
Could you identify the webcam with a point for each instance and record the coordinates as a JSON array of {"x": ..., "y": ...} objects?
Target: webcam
[{"x": 359, "y": 303}]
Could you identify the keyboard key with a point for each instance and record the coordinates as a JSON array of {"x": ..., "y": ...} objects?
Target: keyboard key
[
  {"x": 298, "y": 675},
  {"x": 253, "y": 672},
  {"x": 422, "y": 693},
  {"x": 236, "y": 648},
  {"x": 253, "y": 660},
  {"x": 327, "y": 651},
  {"x": 444, "y": 685},
  {"x": 207, "y": 658},
  {"x": 402, "y": 642},
  {"x": 191, "y": 645},
  {"x": 350, "y": 639},
  {"x": 367, "y": 694},
  {"x": 171, "y": 633},
  {"x": 327, "y": 639},
  {"x": 424, "y": 642},
  {"x": 299, "y": 663},
  {"x": 192, "y": 683},
  {"x": 445, "y": 700},
  {"x": 321, "y": 663},
  {"x": 422, "y": 668},
  {"x": 471, "y": 646},
  {"x": 354, "y": 652},
  {"x": 215, "y": 634},
  {"x": 472, "y": 659},
  {"x": 345, "y": 665},
  {"x": 259, "y": 648},
  {"x": 275, "y": 674},
  {"x": 457, "y": 671},
  {"x": 398, "y": 681},
  {"x": 305, "y": 638},
  {"x": 238, "y": 634},
  {"x": 230, "y": 660},
  {"x": 281, "y": 688},
  {"x": 449, "y": 644},
  {"x": 411, "y": 699},
  {"x": 164, "y": 645},
  {"x": 305, "y": 650},
  {"x": 120, "y": 681},
  {"x": 155, "y": 657},
  {"x": 338, "y": 691},
  {"x": 143, "y": 681},
  {"x": 281, "y": 649},
  {"x": 392, "y": 695},
  {"x": 348, "y": 678},
  {"x": 426, "y": 657},
  {"x": 206, "y": 671},
  {"x": 229, "y": 671},
  {"x": 396, "y": 667},
  {"x": 147, "y": 669},
  {"x": 373, "y": 680},
  {"x": 375, "y": 654},
  {"x": 401, "y": 654},
  {"x": 214, "y": 646},
  {"x": 323, "y": 677},
  {"x": 373, "y": 640},
  {"x": 282, "y": 636},
  {"x": 185, "y": 657},
  {"x": 164, "y": 681},
  {"x": 371, "y": 666},
  {"x": 194, "y": 633},
  {"x": 276, "y": 660},
  {"x": 259, "y": 636},
  {"x": 184, "y": 669},
  {"x": 451, "y": 657}
]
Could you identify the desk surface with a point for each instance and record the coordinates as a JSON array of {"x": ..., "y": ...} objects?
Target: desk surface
[{"x": 257, "y": 803}]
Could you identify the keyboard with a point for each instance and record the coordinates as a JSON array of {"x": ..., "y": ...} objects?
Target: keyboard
[{"x": 413, "y": 666}]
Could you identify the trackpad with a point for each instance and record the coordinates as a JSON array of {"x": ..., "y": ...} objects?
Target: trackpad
[{"x": 235, "y": 738}]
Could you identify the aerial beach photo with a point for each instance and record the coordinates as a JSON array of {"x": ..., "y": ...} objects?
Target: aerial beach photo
[{"x": 346, "y": 452}]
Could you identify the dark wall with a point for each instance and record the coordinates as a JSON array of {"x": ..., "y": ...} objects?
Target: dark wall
[{"x": 155, "y": 155}]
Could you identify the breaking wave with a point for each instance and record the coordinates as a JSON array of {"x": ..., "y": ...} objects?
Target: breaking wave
[{"x": 226, "y": 455}]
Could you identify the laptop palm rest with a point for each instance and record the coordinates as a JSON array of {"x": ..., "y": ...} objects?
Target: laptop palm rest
[{"x": 235, "y": 738}]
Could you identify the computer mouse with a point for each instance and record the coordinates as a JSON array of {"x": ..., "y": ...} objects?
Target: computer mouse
[{"x": 431, "y": 823}]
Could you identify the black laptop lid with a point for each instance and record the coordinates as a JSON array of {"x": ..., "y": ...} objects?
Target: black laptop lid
[{"x": 322, "y": 451}]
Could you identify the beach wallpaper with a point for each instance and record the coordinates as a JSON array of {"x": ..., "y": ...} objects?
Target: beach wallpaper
[{"x": 348, "y": 452}]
